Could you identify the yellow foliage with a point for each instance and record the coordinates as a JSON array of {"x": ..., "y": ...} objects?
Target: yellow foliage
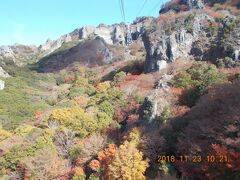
[
  {"x": 134, "y": 136},
  {"x": 4, "y": 134},
  {"x": 103, "y": 87},
  {"x": 76, "y": 119},
  {"x": 78, "y": 171},
  {"x": 24, "y": 130},
  {"x": 128, "y": 163},
  {"x": 81, "y": 82}
]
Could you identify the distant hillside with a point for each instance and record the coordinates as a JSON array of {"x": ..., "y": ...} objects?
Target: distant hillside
[{"x": 90, "y": 53}]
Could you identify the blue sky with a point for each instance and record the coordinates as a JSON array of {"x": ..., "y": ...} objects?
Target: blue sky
[{"x": 33, "y": 21}]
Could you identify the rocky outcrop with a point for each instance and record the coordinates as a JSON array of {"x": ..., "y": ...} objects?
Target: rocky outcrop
[
  {"x": 161, "y": 49},
  {"x": 155, "y": 103},
  {"x": 196, "y": 36},
  {"x": 115, "y": 34},
  {"x": 51, "y": 46},
  {"x": 6, "y": 52},
  {"x": 3, "y": 73},
  {"x": 195, "y": 4},
  {"x": 2, "y": 84},
  {"x": 18, "y": 54},
  {"x": 112, "y": 34}
]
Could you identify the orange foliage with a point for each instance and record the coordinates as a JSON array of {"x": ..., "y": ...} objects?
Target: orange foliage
[
  {"x": 106, "y": 156},
  {"x": 38, "y": 114},
  {"x": 215, "y": 118},
  {"x": 212, "y": 13},
  {"x": 233, "y": 157},
  {"x": 129, "y": 112},
  {"x": 179, "y": 109},
  {"x": 78, "y": 171},
  {"x": 138, "y": 84},
  {"x": 81, "y": 101},
  {"x": 94, "y": 165},
  {"x": 69, "y": 78}
]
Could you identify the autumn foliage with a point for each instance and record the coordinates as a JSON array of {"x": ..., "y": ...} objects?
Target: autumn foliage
[
  {"x": 128, "y": 163},
  {"x": 105, "y": 157},
  {"x": 213, "y": 119}
]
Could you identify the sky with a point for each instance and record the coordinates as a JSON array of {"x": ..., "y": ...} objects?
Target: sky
[{"x": 34, "y": 21}]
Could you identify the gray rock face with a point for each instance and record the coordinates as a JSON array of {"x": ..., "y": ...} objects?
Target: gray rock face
[
  {"x": 3, "y": 73},
  {"x": 51, "y": 46},
  {"x": 155, "y": 103},
  {"x": 6, "y": 52},
  {"x": 18, "y": 54},
  {"x": 195, "y": 4},
  {"x": 112, "y": 34},
  {"x": 2, "y": 84},
  {"x": 119, "y": 35},
  {"x": 192, "y": 38},
  {"x": 116, "y": 34},
  {"x": 165, "y": 48}
]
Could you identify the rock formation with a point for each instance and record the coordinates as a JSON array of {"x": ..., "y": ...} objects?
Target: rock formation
[
  {"x": 3, "y": 73},
  {"x": 193, "y": 36},
  {"x": 157, "y": 100},
  {"x": 51, "y": 46},
  {"x": 2, "y": 84}
]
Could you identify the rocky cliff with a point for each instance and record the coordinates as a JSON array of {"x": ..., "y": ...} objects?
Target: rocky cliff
[
  {"x": 190, "y": 29},
  {"x": 200, "y": 34},
  {"x": 112, "y": 34}
]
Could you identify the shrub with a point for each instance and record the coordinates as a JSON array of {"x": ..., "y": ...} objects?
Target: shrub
[
  {"x": 112, "y": 95},
  {"x": 76, "y": 119},
  {"x": 227, "y": 62},
  {"x": 82, "y": 101},
  {"x": 103, "y": 87},
  {"x": 139, "y": 99},
  {"x": 106, "y": 107},
  {"x": 75, "y": 151},
  {"x": 24, "y": 130},
  {"x": 189, "y": 23},
  {"x": 11, "y": 159},
  {"x": 46, "y": 164},
  {"x": 16, "y": 104},
  {"x": 200, "y": 77},
  {"x": 119, "y": 77},
  {"x": 183, "y": 79},
  {"x": 60, "y": 80},
  {"x": 165, "y": 114},
  {"x": 93, "y": 177},
  {"x": 78, "y": 174},
  {"x": 76, "y": 91},
  {"x": 4, "y": 134},
  {"x": 81, "y": 82}
]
